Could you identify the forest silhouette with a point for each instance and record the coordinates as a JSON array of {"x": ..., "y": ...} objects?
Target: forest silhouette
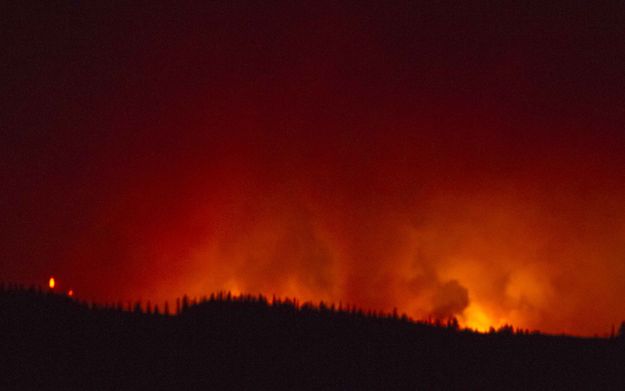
[{"x": 52, "y": 341}]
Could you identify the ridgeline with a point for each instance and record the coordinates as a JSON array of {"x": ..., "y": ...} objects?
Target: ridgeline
[{"x": 51, "y": 341}]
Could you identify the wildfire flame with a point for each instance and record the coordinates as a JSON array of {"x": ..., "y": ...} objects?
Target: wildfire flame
[{"x": 52, "y": 283}]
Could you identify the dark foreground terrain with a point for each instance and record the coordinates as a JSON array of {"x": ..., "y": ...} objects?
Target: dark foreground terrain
[{"x": 49, "y": 341}]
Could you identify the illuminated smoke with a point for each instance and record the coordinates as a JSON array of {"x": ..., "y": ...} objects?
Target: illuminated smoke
[
  {"x": 465, "y": 164},
  {"x": 450, "y": 299},
  {"x": 489, "y": 252}
]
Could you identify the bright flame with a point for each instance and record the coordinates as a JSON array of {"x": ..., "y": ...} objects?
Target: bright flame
[
  {"x": 476, "y": 319},
  {"x": 51, "y": 283}
]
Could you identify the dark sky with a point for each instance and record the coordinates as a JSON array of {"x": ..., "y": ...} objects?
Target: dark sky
[{"x": 444, "y": 159}]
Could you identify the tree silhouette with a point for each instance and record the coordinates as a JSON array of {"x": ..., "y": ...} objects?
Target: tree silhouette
[
  {"x": 621, "y": 331},
  {"x": 246, "y": 342}
]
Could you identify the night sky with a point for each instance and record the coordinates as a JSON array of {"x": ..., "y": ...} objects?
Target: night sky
[{"x": 443, "y": 159}]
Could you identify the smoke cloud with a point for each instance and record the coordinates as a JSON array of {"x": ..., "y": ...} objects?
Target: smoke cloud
[
  {"x": 450, "y": 299},
  {"x": 459, "y": 162}
]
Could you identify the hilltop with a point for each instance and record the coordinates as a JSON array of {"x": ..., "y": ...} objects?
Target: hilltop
[{"x": 51, "y": 341}]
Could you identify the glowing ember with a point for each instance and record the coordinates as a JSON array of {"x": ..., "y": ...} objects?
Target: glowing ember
[
  {"x": 70, "y": 293},
  {"x": 51, "y": 283}
]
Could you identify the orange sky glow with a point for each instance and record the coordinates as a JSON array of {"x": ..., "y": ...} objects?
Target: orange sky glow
[{"x": 464, "y": 161}]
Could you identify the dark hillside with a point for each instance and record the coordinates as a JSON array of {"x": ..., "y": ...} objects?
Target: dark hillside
[{"x": 50, "y": 341}]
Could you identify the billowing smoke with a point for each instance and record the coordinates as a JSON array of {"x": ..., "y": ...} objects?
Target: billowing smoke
[
  {"x": 450, "y": 300},
  {"x": 447, "y": 162},
  {"x": 542, "y": 249}
]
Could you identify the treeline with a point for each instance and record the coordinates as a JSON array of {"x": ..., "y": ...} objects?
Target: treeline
[
  {"x": 186, "y": 305},
  {"x": 53, "y": 341}
]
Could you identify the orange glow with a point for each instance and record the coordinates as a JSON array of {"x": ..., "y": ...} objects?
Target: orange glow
[
  {"x": 486, "y": 183},
  {"x": 486, "y": 259},
  {"x": 70, "y": 293},
  {"x": 476, "y": 319},
  {"x": 52, "y": 283}
]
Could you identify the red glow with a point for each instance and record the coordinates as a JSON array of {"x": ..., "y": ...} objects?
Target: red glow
[{"x": 441, "y": 161}]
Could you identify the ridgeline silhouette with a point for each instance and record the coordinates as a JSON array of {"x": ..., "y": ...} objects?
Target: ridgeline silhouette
[{"x": 52, "y": 341}]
